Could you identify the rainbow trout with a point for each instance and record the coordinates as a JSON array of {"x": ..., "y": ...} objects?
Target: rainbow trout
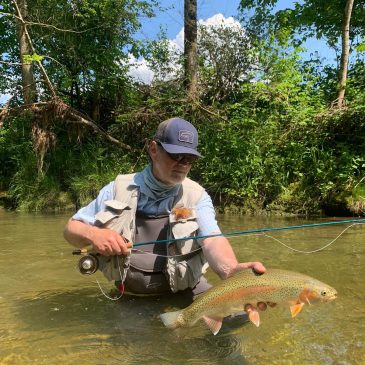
[{"x": 249, "y": 292}]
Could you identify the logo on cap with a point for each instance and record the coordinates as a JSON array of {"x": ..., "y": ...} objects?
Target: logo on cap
[{"x": 186, "y": 136}]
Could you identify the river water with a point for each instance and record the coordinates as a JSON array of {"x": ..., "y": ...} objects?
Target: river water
[{"x": 51, "y": 314}]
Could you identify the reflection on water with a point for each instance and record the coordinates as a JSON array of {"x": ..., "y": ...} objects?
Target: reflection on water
[{"x": 50, "y": 314}]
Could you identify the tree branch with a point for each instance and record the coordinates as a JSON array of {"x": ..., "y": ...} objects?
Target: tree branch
[
  {"x": 11, "y": 63},
  {"x": 4, "y": 112},
  {"x": 66, "y": 113},
  {"x": 43, "y": 71},
  {"x": 47, "y": 25}
]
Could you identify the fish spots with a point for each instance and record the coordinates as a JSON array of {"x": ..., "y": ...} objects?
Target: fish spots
[
  {"x": 242, "y": 294},
  {"x": 262, "y": 306},
  {"x": 253, "y": 294},
  {"x": 253, "y": 313}
]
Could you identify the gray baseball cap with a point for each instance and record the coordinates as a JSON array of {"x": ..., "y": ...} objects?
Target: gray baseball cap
[{"x": 176, "y": 135}]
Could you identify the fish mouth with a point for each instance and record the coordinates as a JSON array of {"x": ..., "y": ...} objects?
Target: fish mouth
[{"x": 331, "y": 297}]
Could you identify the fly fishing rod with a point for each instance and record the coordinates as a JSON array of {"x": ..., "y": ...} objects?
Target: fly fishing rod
[
  {"x": 239, "y": 233},
  {"x": 251, "y": 231}
]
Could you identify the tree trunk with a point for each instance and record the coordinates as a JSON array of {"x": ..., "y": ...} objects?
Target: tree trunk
[
  {"x": 28, "y": 81},
  {"x": 190, "y": 49},
  {"x": 340, "y": 101}
]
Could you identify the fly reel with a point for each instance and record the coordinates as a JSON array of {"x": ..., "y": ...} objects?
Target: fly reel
[{"x": 88, "y": 264}]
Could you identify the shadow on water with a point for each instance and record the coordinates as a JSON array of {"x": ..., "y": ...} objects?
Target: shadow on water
[{"x": 125, "y": 331}]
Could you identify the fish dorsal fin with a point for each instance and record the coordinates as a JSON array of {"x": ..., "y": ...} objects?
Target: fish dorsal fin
[
  {"x": 295, "y": 309},
  {"x": 214, "y": 323}
]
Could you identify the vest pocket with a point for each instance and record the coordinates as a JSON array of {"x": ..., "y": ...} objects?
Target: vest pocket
[
  {"x": 113, "y": 209},
  {"x": 139, "y": 282},
  {"x": 189, "y": 271},
  {"x": 114, "y": 267},
  {"x": 184, "y": 229}
]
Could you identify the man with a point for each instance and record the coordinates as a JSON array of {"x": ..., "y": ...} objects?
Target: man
[{"x": 158, "y": 203}]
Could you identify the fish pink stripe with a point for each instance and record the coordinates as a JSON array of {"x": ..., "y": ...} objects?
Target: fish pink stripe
[{"x": 242, "y": 293}]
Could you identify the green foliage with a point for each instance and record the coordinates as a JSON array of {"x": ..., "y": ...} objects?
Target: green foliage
[
  {"x": 32, "y": 58},
  {"x": 15, "y": 146},
  {"x": 73, "y": 173},
  {"x": 308, "y": 18},
  {"x": 84, "y": 46},
  {"x": 280, "y": 149},
  {"x": 269, "y": 136},
  {"x": 226, "y": 59}
]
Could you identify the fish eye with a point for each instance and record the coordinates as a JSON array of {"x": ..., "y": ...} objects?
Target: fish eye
[{"x": 323, "y": 293}]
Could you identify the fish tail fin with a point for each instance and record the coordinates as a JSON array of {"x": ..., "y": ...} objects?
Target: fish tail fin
[{"x": 171, "y": 319}]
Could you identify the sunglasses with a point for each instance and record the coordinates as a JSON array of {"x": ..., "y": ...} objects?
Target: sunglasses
[{"x": 179, "y": 157}]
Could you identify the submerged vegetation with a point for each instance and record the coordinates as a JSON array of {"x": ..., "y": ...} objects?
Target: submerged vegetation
[{"x": 272, "y": 139}]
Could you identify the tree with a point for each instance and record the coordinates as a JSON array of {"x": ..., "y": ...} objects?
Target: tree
[
  {"x": 84, "y": 46},
  {"x": 87, "y": 40},
  {"x": 190, "y": 49},
  {"x": 312, "y": 18},
  {"x": 344, "y": 54},
  {"x": 29, "y": 85},
  {"x": 226, "y": 60}
]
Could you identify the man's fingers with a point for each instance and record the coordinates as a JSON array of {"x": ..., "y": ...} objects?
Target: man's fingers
[
  {"x": 109, "y": 242},
  {"x": 123, "y": 245},
  {"x": 258, "y": 267}
]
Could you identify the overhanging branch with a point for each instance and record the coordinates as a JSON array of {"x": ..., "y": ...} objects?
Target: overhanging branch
[{"x": 62, "y": 111}]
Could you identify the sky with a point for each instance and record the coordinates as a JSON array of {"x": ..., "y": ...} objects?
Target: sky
[{"x": 172, "y": 21}]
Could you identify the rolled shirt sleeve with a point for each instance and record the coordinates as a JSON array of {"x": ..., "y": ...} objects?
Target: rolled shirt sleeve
[
  {"x": 206, "y": 217},
  {"x": 87, "y": 213}
]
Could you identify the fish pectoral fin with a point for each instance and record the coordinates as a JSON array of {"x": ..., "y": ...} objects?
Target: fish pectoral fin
[
  {"x": 254, "y": 317},
  {"x": 214, "y": 323},
  {"x": 295, "y": 309}
]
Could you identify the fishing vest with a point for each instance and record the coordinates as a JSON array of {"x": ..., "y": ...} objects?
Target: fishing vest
[{"x": 185, "y": 262}]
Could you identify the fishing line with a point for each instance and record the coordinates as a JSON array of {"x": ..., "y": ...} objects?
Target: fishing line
[
  {"x": 241, "y": 233},
  {"x": 179, "y": 255},
  {"x": 313, "y": 251},
  {"x": 103, "y": 292},
  {"x": 265, "y": 235}
]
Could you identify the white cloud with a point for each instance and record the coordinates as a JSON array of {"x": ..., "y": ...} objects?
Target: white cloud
[
  {"x": 216, "y": 20},
  {"x": 220, "y": 20},
  {"x": 140, "y": 70}
]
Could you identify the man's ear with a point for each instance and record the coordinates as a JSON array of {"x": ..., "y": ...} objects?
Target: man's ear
[{"x": 152, "y": 149}]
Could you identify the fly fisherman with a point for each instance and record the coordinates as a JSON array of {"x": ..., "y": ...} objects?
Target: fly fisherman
[{"x": 157, "y": 203}]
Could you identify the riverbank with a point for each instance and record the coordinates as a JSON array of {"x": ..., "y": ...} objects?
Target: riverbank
[{"x": 62, "y": 202}]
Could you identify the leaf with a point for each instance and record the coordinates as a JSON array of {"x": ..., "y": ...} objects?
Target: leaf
[
  {"x": 360, "y": 47},
  {"x": 32, "y": 58}
]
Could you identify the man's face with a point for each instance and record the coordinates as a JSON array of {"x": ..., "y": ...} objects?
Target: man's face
[{"x": 165, "y": 168}]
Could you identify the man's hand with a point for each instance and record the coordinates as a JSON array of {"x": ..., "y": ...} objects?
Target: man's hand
[
  {"x": 104, "y": 241},
  {"x": 108, "y": 242},
  {"x": 256, "y": 266}
]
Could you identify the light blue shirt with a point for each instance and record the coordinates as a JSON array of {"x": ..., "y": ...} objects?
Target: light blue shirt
[{"x": 147, "y": 204}]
